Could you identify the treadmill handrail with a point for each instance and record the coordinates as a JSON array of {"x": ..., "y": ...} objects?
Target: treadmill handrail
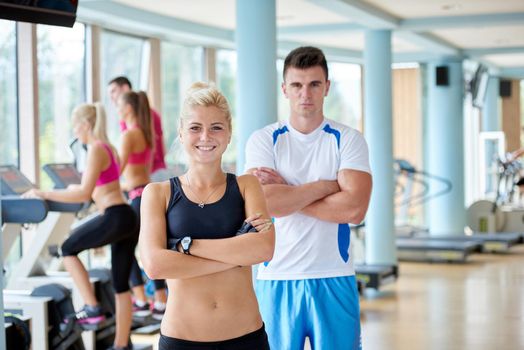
[{"x": 23, "y": 210}]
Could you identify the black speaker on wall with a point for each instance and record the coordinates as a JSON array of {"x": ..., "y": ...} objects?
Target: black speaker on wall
[
  {"x": 442, "y": 76},
  {"x": 505, "y": 88}
]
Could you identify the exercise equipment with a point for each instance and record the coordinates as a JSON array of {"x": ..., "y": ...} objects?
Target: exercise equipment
[
  {"x": 418, "y": 245},
  {"x": 46, "y": 307},
  {"x": 63, "y": 175},
  {"x": 34, "y": 269},
  {"x": 373, "y": 276},
  {"x": 435, "y": 250},
  {"x": 499, "y": 215},
  {"x": 407, "y": 177},
  {"x": 17, "y": 333}
]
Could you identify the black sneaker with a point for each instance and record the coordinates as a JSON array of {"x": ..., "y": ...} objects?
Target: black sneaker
[
  {"x": 90, "y": 315},
  {"x": 141, "y": 311},
  {"x": 158, "y": 313},
  {"x": 54, "y": 251}
]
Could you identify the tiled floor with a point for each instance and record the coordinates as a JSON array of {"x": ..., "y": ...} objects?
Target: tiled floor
[{"x": 477, "y": 305}]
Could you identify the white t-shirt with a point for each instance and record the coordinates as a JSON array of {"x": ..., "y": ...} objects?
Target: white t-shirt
[{"x": 307, "y": 247}]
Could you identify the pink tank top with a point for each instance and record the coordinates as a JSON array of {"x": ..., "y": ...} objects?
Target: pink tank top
[
  {"x": 158, "y": 156},
  {"x": 143, "y": 157},
  {"x": 112, "y": 172}
]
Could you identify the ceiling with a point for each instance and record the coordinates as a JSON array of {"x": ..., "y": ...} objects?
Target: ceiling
[{"x": 485, "y": 30}]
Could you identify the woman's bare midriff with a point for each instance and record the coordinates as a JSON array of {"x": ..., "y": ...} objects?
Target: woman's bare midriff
[
  {"x": 215, "y": 307},
  {"x": 135, "y": 175},
  {"x": 108, "y": 195}
]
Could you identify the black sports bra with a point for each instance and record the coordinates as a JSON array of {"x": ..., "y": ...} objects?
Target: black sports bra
[{"x": 220, "y": 219}]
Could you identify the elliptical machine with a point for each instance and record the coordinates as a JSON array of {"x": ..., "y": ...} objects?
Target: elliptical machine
[
  {"x": 499, "y": 215},
  {"x": 49, "y": 306},
  {"x": 63, "y": 333}
]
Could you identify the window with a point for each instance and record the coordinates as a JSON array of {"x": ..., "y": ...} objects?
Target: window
[
  {"x": 8, "y": 94},
  {"x": 226, "y": 66},
  {"x": 61, "y": 87},
  {"x": 343, "y": 103},
  {"x": 120, "y": 55},
  {"x": 176, "y": 79}
]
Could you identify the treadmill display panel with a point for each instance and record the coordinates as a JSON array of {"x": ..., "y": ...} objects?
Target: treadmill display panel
[
  {"x": 13, "y": 181},
  {"x": 63, "y": 175}
]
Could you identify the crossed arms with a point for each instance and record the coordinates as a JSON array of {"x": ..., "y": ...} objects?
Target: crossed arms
[
  {"x": 208, "y": 256},
  {"x": 344, "y": 200}
]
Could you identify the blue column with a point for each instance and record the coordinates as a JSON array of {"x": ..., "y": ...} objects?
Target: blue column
[
  {"x": 256, "y": 70},
  {"x": 444, "y": 145},
  {"x": 380, "y": 239},
  {"x": 2, "y": 310},
  {"x": 490, "y": 112}
]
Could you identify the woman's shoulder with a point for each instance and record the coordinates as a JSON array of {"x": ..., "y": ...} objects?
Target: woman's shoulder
[
  {"x": 157, "y": 190},
  {"x": 158, "y": 187},
  {"x": 98, "y": 149},
  {"x": 132, "y": 132}
]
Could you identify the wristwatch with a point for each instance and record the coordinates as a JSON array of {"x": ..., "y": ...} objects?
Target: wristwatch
[
  {"x": 186, "y": 244},
  {"x": 245, "y": 228}
]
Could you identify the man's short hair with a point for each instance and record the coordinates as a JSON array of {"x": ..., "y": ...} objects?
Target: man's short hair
[
  {"x": 121, "y": 81},
  {"x": 305, "y": 57}
]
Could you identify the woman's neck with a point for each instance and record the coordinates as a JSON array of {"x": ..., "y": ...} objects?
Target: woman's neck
[
  {"x": 130, "y": 120},
  {"x": 91, "y": 140},
  {"x": 205, "y": 175}
]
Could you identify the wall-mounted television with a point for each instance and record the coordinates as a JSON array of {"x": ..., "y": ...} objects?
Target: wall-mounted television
[
  {"x": 478, "y": 85},
  {"x": 53, "y": 12}
]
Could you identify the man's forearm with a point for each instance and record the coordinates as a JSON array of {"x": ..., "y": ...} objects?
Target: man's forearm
[
  {"x": 284, "y": 200},
  {"x": 341, "y": 207}
]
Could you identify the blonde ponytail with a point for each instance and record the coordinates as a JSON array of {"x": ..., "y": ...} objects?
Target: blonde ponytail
[
  {"x": 94, "y": 114},
  {"x": 99, "y": 129}
]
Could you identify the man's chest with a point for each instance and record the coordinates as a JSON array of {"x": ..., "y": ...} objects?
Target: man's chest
[{"x": 301, "y": 163}]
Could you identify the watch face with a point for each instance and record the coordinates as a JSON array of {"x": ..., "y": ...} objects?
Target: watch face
[{"x": 185, "y": 242}]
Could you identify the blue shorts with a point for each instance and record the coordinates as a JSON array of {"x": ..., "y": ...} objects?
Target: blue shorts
[{"x": 326, "y": 310}]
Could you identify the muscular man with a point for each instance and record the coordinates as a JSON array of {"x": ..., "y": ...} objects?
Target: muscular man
[{"x": 316, "y": 179}]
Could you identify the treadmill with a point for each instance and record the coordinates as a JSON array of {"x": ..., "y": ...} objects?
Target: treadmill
[
  {"x": 375, "y": 276},
  {"x": 435, "y": 250},
  {"x": 490, "y": 242},
  {"x": 415, "y": 244}
]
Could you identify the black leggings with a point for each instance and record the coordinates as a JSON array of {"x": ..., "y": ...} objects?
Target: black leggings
[
  {"x": 256, "y": 340},
  {"x": 118, "y": 226},
  {"x": 136, "y": 274}
]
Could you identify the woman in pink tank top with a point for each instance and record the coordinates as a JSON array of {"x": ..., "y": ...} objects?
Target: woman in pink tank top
[
  {"x": 136, "y": 158},
  {"x": 116, "y": 225}
]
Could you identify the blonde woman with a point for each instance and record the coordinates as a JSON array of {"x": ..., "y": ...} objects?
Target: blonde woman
[
  {"x": 117, "y": 224},
  {"x": 190, "y": 236}
]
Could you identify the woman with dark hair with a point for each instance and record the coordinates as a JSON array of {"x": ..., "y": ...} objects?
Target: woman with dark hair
[{"x": 136, "y": 157}]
